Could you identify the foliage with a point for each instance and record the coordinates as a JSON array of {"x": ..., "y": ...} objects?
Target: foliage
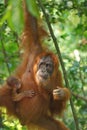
[
  {"x": 32, "y": 7},
  {"x": 68, "y": 19}
]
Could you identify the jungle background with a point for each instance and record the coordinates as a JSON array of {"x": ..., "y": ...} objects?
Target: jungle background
[{"x": 69, "y": 22}]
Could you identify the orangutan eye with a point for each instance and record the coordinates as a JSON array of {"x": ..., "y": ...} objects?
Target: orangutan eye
[
  {"x": 49, "y": 67},
  {"x": 41, "y": 65}
]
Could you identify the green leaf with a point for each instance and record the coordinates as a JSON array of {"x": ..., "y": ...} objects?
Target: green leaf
[
  {"x": 16, "y": 20},
  {"x": 32, "y": 7}
]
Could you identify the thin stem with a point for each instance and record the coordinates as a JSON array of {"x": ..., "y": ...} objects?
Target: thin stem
[{"x": 80, "y": 97}]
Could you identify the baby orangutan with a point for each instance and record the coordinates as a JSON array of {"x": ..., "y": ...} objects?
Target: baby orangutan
[{"x": 15, "y": 84}]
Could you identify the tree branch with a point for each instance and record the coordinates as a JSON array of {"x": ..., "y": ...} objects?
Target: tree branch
[{"x": 80, "y": 97}]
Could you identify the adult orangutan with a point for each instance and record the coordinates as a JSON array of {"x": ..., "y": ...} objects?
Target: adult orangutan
[{"x": 35, "y": 93}]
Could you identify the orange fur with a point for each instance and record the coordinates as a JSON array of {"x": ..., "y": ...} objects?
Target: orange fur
[{"x": 39, "y": 109}]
